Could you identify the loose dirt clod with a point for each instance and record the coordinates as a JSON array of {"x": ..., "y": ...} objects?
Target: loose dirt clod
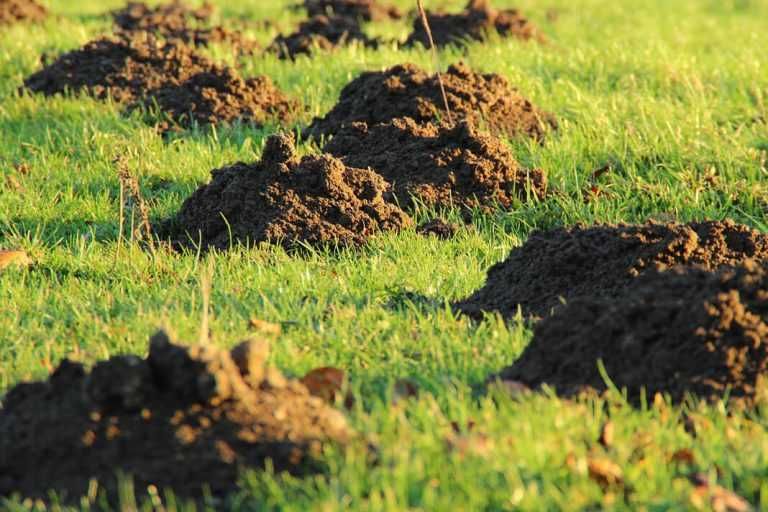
[
  {"x": 439, "y": 228},
  {"x": 438, "y": 165},
  {"x": 368, "y": 10},
  {"x": 14, "y": 11},
  {"x": 476, "y": 22},
  {"x": 323, "y": 33},
  {"x": 142, "y": 71},
  {"x": 183, "y": 418},
  {"x": 407, "y": 91},
  {"x": 601, "y": 261},
  {"x": 684, "y": 330},
  {"x": 289, "y": 200}
]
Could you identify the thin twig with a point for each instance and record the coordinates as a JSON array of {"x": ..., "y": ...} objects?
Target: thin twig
[{"x": 435, "y": 56}]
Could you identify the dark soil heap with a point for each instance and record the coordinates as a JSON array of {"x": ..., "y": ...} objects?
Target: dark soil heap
[
  {"x": 368, "y": 10},
  {"x": 143, "y": 71},
  {"x": 176, "y": 21},
  {"x": 476, "y": 22},
  {"x": 321, "y": 32},
  {"x": 601, "y": 261},
  {"x": 679, "y": 331},
  {"x": 438, "y": 165},
  {"x": 14, "y": 11},
  {"x": 315, "y": 200},
  {"x": 183, "y": 418},
  {"x": 407, "y": 91}
]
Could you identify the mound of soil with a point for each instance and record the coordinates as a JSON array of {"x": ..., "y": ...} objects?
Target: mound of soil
[
  {"x": 183, "y": 418},
  {"x": 288, "y": 200},
  {"x": 438, "y": 165},
  {"x": 142, "y": 71},
  {"x": 407, "y": 91},
  {"x": 14, "y": 11},
  {"x": 368, "y": 10},
  {"x": 176, "y": 21},
  {"x": 601, "y": 261},
  {"x": 686, "y": 330},
  {"x": 476, "y": 22},
  {"x": 321, "y": 32}
]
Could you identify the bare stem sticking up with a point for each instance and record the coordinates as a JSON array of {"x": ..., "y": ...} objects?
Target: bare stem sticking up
[{"x": 427, "y": 28}]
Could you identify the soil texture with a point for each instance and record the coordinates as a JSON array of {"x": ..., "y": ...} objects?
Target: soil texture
[
  {"x": 322, "y": 33},
  {"x": 14, "y": 11},
  {"x": 477, "y": 22},
  {"x": 440, "y": 166},
  {"x": 486, "y": 100},
  {"x": 439, "y": 228},
  {"x": 182, "y": 418},
  {"x": 601, "y": 261},
  {"x": 314, "y": 200},
  {"x": 685, "y": 330},
  {"x": 176, "y": 21},
  {"x": 367, "y": 10},
  {"x": 186, "y": 87}
]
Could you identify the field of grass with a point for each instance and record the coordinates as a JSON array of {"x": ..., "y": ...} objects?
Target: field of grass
[{"x": 672, "y": 93}]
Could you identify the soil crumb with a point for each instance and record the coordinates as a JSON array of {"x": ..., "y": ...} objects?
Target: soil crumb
[
  {"x": 321, "y": 33},
  {"x": 314, "y": 200},
  {"x": 601, "y": 261},
  {"x": 684, "y": 330},
  {"x": 14, "y": 11},
  {"x": 439, "y": 228},
  {"x": 143, "y": 71},
  {"x": 367, "y": 10},
  {"x": 438, "y": 165},
  {"x": 176, "y": 21},
  {"x": 478, "y": 20},
  {"x": 487, "y": 100},
  {"x": 182, "y": 418}
]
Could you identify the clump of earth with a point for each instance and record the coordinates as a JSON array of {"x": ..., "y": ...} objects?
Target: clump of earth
[
  {"x": 321, "y": 33},
  {"x": 439, "y": 166},
  {"x": 485, "y": 100},
  {"x": 684, "y": 330},
  {"x": 438, "y": 228},
  {"x": 14, "y": 11},
  {"x": 176, "y": 21},
  {"x": 368, "y": 10},
  {"x": 292, "y": 201},
  {"x": 602, "y": 261},
  {"x": 183, "y": 418},
  {"x": 478, "y": 20},
  {"x": 186, "y": 87}
]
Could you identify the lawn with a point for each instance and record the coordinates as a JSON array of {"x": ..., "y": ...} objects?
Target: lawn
[{"x": 673, "y": 94}]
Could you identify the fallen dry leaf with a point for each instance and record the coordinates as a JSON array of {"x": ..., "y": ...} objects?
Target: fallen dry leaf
[
  {"x": 683, "y": 456},
  {"x": 708, "y": 495},
  {"x": 605, "y": 472},
  {"x": 264, "y": 327},
  {"x": 325, "y": 382},
  {"x": 606, "y": 435},
  {"x": 16, "y": 258}
]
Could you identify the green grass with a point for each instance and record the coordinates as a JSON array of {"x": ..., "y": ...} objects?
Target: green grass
[{"x": 667, "y": 91}]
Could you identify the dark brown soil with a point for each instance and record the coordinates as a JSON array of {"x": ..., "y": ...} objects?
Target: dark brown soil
[
  {"x": 438, "y": 228},
  {"x": 323, "y": 33},
  {"x": 176, "y": 21},
  {"x": 183, "y": 418},
  {"x": 601, "y": 261},
  {"x": 438, "y": 165},
  {"x": 685, "y": 330},
  {"x": 14, "y": 11},
  {"x": 143, "y": 71},
  {"x": 476, "y": 22},
  {"x": 368, "y": 10},
  {"x": 285, "y": 199},
  {"x": 407, "y": 91}
]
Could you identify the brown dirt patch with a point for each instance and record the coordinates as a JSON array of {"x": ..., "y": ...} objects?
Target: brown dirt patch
[
  {"x": 368, "y": 10},
  {"x": 682, "y": 330},
  {"x": 323, "y": 33},
  {"x": 601, "y": 261},
  {"x": 14, "y": 11},
  {"x": 407, "y": 91},
  {"x": 176, "y": 21},
  {"x": 180, "y": 419},
  {"x": 438, "y": 165},
  {"x": 476, "y": 22},
  {"x": 439, "y": 228},
  {"x": 289, "y": 200},
  {"x": 144, "y": 71}
]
